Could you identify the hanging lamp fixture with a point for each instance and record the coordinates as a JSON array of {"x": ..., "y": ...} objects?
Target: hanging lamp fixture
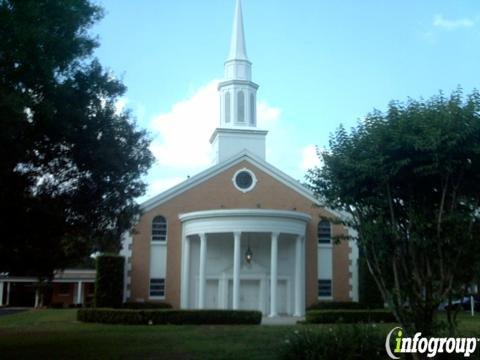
[{"x": 248, "y": 253}]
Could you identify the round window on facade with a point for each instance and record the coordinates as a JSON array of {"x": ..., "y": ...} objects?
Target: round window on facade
[{"x": 244, "y": 180}]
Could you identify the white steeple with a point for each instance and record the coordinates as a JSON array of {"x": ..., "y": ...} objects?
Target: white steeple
[
  {"x": 238, "y": 101},
  {"x": 238, "y": 92},
  {"x": 237, "y": 45}
]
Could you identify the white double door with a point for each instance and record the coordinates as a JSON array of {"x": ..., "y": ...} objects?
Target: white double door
[{"x": 252, "y": 295}]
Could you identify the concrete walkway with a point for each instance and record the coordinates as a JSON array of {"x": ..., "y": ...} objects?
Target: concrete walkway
[
  {"x": 11, "y": 310},
  {"x": 281, "y": 320}
]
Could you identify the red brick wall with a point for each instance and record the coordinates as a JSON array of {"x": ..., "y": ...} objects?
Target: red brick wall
[{"x": 219, "y": 192}]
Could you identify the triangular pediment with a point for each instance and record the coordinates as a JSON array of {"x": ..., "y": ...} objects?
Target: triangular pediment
[{"x": 219, "y": 168}]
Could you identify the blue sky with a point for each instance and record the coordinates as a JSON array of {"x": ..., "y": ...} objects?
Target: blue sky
[{"x": 319, "y": 64}]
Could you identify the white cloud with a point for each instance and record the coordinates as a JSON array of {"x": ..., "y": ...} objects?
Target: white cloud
[
  {"x": 157, "y": 186},
  {"x": 123, "y": 103},
  {"x": 309, "y": 158},
  {"x": 267, "y": 115},
  {"x": 447, "y": 24},
  {"x": 184, "y": 132},
  {"x": 120, "y": 104}
]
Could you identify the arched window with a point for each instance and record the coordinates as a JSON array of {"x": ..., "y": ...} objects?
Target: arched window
[
  {"x": 159, "y": 229},
  {"x": 227, "y": 107},
  {"x": 241, "y": 107},
  {"x": 253, "y": 110},
  {"x": 324, "y": 233}
]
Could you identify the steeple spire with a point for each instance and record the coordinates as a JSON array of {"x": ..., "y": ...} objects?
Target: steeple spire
[
  {"x": 238, "y": 50},
  {"x": 237, "y": 66},
  {"x": 238, "y": 102}
]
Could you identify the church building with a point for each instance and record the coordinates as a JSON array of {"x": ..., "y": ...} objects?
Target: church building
[{"x": 241, "y": 234}]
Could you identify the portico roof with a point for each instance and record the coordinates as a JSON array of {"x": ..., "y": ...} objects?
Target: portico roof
[
  {"x": 244, "y": 220},
  {"x": 286, "y": 214}
]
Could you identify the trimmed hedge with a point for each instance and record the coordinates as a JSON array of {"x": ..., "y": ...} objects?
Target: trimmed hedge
[
  {"x": 345, "y": 342},
  {"x": 146, "y": 305},
  {"x": 338, "y": 305},
  {"x": 174, "y": 317},
  {"x": 348, "y": 316},
  {"x": 109, "y": 281}
]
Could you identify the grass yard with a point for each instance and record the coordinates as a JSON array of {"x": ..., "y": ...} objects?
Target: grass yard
[{"x": 55, "y": 334}]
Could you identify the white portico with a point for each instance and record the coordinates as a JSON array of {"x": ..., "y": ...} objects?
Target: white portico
[{"x": 244, "y": 259}]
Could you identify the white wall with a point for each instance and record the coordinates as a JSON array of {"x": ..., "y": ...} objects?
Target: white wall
[
  {"x": 158, "y": 260},
  {"x": 226, "y": 145},
  {"x": 324, "y": 264},
  {"x": 158, "y": 264}
]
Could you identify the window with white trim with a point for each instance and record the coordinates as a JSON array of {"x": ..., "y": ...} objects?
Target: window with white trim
[
  {"x": 159, "y": 228},
  {"x": 157, "y": 287},
  {"x": 324, "y": 232},
  {"x": 244, "y": 180},
  {"x": 324, "y": 287}
]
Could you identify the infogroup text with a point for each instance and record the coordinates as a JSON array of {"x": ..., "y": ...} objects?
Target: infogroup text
[{"x": 430, "y": 346}]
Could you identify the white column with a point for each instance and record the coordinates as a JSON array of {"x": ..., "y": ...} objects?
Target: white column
[
  {"x": 201, "y": 272},
  {"x": 298, "y": 277},
  {"x": 79, "y": 300},
  {"x": 289, "y": 299},
  {"x": 1, "y": 292},
  {"x": 185, "y": 295},
  {"x": 263, "y": 291},
  {"x": 220, "y": 293},
  {"x": 304, "y": 277},
  {"x": 233, "y": 109},
  {"x": 37, "y": 298},
  {"x": 8, "y": 293},
  {"x": 225, "y": 281},
  {"x": 236, "y": 270},
  {"x": 273, "y": 275}
]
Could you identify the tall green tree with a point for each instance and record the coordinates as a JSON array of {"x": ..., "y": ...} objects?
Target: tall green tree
[
  {"x": 409, "y": 180},
  {"x": 70, "y": 164}
]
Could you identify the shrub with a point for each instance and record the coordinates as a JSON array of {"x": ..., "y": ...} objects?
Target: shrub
[
  {"x": 176, "y": 317},
  {"x": 146, "y": 305},
  {"x": 109, "y": 281},
  {"x": 348, "y": 316},
  {"x": 338, "y": 305},
  {"x": 110, "y": 316},
  {"x": 340, "y": 342}
]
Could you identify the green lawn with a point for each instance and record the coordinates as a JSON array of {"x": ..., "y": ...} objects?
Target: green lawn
[{"x": 55, "y": 334}]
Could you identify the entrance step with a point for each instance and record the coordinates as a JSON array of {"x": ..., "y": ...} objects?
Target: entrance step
[{"x": 281, "y": 320}]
